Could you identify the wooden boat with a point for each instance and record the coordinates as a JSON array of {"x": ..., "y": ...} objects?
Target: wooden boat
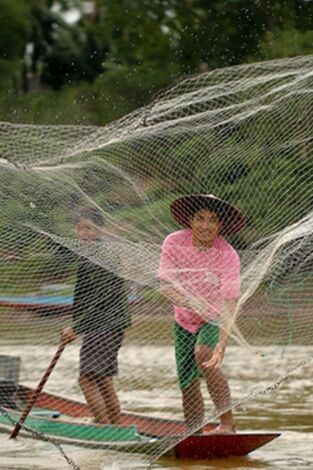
[
  {"x": 47, "y": 304},
  {"x": 63, "y": 419},
  {"x": 42, "y": 304}
]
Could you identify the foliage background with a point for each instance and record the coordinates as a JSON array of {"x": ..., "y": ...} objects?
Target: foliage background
[{"x": 90, "y": 62}]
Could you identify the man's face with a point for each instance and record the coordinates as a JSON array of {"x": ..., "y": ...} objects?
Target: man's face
[
  {"x": 205, "y": 226},
  {"x": 87, "y": 230}
]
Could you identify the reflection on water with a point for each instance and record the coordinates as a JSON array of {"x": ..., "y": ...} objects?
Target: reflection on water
[{"x": 288, "y": 409}]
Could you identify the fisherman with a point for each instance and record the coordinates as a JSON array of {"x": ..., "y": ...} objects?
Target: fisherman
[
  {"x": 200, "y": 275},
  {"x": 101, "y": 315}
]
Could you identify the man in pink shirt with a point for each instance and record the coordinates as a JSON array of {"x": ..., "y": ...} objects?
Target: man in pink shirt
[{"x": 200, "y": 275}]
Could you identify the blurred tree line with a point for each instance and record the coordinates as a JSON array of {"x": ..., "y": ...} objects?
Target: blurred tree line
[{"x": 92, "y": 61}]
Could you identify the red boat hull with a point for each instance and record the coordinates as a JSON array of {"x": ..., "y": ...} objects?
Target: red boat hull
[{"x": 212, "y": 446}]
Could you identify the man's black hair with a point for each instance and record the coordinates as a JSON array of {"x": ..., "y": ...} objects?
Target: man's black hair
[{"x": 91, "y": 213}]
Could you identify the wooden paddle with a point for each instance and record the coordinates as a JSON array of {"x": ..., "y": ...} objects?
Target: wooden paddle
[{"x": 37, "y": 390}]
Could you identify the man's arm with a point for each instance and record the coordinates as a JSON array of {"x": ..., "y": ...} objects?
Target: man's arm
[
  {"x": 227, "y": 318},
  {"x": 71, "y": 332}
]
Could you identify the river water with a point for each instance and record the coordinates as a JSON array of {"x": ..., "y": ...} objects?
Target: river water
[{"x": 287, "y": 409}]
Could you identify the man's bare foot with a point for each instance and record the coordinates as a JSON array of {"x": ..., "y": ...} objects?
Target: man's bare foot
[{"x": 224, "y": 429}]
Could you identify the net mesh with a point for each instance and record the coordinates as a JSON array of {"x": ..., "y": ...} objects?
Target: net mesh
[{"x": 84, "y": 215}]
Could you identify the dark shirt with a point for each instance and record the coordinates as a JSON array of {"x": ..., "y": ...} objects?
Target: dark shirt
[{"x": 100, "y": 299}]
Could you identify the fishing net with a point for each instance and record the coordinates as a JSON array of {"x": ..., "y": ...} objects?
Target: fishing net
[{"x": 84, "y": 214}]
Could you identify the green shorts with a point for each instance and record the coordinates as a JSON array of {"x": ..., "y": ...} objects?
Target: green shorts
[{"x": 185, "y": 345}]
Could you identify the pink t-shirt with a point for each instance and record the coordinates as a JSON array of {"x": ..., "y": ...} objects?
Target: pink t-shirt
[{"x": 212, "y": 275}]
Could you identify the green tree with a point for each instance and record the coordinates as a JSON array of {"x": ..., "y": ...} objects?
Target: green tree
[
  {"x": 62, "y": 52},
  {"x": 14, "y": 33}
]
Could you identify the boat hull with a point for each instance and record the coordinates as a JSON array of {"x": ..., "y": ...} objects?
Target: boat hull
[
  {"x": 212, "y": 446},
  {"x": 135, "y": 433},
  {"x": 204, "y": 447}
]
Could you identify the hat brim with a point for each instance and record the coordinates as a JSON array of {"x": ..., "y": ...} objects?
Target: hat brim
[{"x": 184, "y": 207}]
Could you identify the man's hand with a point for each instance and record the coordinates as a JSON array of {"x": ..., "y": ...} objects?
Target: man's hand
[
  {"x": 217, "y": 358},
  {"x": 68, "y": 335}
]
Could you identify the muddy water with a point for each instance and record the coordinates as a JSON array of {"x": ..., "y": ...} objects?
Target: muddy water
[{"x": 143, "y": 373}]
